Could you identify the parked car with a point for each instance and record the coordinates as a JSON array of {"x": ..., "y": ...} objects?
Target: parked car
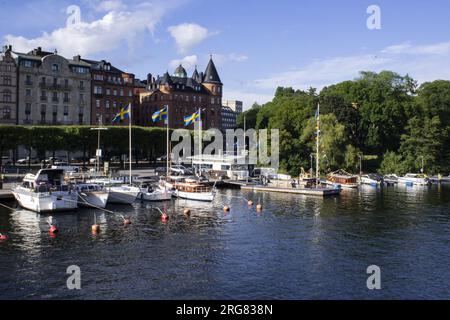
[
  {"x": 51, "y": 160},
  {"x": 182, "y": 170},
  {"x": 7, "y": 160},
  {"x": 66, "y": 167},
  {"x": 92, "y": 160},
  {"x": 26, "y": 161},
  {"x": 162, "y": 158}
]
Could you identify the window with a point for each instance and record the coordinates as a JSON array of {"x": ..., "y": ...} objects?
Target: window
[
  {"x": 81, "y": 85},
  {"x": 115, "y": 92},
  {"x": 212, "y": 100},
  {"x": 81, "y": 97},
  {"x": 114, "y": 104},
  {"x": 107, "y": 104},
  {"x": 121, "y": 92},
  {"x": 6, "y": 113},
  {"x": 97, "y": 103},
  {"x": 28, "y": 80},
  {"x": 55, "y": 67},
  {"x": 43, "y": 109},
  {"x": 98, "y": 90},
  {"x": 7, "y": 81},
  {"x": 218, "y": 89},
  {"x": 28, "y": 93},
  {"x": 130, "y": 93},
  {"x": 66, "y": 97},
  {"x": 28, "y": 64},
  {"x": 55, "y": 96},
  {"x": 55, "y": 109},
  {"x": 108, "y": 92},
  {"x": 98, "y": 77},
  {"x": 66, "y": 83},
  {"x": 27, "y": 108},
  {"x": 7, "y": 97},
  {"x": 66, "y": 110}
]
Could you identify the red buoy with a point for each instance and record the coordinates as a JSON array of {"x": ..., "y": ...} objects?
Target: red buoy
[
  {"x": 3, "y": 237},
  {"x": 164, "y": 217},
  {"x": 53, "y": 229}
]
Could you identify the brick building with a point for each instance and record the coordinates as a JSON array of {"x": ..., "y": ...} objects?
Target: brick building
[
  {"x": 8, "y": 87},
  {"x": 112, "y": 89},
  {"x": 184, "y": 95}
]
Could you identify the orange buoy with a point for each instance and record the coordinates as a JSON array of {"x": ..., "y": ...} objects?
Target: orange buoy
[
  {"x": 95, "y": 228},
  {"x": 3, "y": 237},
  {"x": 259, "y": 207},
  {"x": 127, "y": 221},
  {"x": 250, "y": 203},
  {"x": 187, "y": 212},
  {"x": 226, "y": 209},
  {"x": 53, "y": 229}
]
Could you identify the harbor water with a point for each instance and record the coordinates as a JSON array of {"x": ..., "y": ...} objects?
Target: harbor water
[{"x": 297, "y": 247}]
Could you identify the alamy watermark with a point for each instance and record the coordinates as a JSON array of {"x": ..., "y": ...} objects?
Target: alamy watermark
[
  {"x": 253, "y": 147},
  {"x": 74, "y": 280},
  {"x": 374, "y": 280},
  {"x": 374, "y": 20}
]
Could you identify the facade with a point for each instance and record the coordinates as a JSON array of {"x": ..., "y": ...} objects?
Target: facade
[
  {"x": 8, "y": 87},
  {"x": 236, "y": 106},
  {"x": 111, "y": 90},
  {"x": 184, "y": 95},
  {"x": 52, "y": 89},
  {"x": 229, "y": 118}
]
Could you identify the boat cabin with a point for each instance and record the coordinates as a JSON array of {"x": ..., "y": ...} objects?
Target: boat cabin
[
  {"x": 222, "y": 166},
  {"x": 46, "y": 180}
]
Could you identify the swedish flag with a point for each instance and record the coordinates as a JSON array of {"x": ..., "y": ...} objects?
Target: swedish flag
[
  {"x": 160, "y": 115},
  {"x": 123, "y": 114},
  {"x": 192, "y": 118}
]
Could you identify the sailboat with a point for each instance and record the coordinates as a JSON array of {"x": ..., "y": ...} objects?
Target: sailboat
[{"x": 118, "y": 192}]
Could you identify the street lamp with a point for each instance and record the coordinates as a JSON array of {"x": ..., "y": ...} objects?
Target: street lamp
[
  {"x": 360, "y": 164},
  {"x": 421, "y": 170},
  {"x": 98, "y": 152},
  {"x": 312, "y": 156}
]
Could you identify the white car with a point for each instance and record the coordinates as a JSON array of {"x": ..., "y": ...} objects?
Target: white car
[
  {"x": 182, "y": 170},
  {"x": 26, "y": 160}
]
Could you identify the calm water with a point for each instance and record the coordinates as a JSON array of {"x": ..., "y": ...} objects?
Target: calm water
[{"x": 296, "y": 248}]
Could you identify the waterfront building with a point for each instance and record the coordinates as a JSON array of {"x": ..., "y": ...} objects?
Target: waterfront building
[
  {"x": 8, "y": 87},
  {"x": 184, "y": 95},
  {"x": 52, "y": 90},
  {"x": 235, "y": 105},
  {"x": 229, "y": 118},
  {"x": 111, "y": 90}
]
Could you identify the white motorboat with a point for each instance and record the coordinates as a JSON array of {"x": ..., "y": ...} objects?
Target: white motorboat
[
  {"x": 390, "y": 179},
  {"x": 414, "y": 179},
  {"x": 371, "y": 179},
  {"x": 46, "y": 192},
  {"x": 118, "y": 193},
  {"x": 92, "y": 195},
  {"x": 149, "y": 193}
]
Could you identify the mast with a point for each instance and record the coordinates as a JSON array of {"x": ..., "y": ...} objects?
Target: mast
[
  {"x": 200, "y": 139},
  {"x": 129, "y": 125},
  {"x": 318, "y": 144},
  {"x": 167, "y": 151}
]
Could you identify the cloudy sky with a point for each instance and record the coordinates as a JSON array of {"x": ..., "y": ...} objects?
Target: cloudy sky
[{"x": 257, "y": 45}]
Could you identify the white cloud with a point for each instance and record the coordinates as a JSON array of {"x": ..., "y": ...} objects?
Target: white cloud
[
  {"x": 111, "y": 5},
  {"x": 188, "y": 35},
  {"x": 422, "y": 62},
  {"x": 116, "y": 27},
  {"x": 248, "y": 98},
  {"x": 230, "y": 57},
  {"x": 187, "y": 62}
]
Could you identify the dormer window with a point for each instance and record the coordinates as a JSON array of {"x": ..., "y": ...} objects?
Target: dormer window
[{"x": 55, "y": 67}]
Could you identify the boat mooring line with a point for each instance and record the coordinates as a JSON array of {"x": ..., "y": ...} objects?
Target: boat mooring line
[
  {"x": 93, "y": 206},
  {"x": 5, "y": 206}
]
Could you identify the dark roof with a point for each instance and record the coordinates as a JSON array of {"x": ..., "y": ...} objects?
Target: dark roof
[
  {"x": 196, "y": 76},
  {"x": 166, "y": 79},
  {"x": 99, "y": 65},
  {"x": 211, "y": 75}
]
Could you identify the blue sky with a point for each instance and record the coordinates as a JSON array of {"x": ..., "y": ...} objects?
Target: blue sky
[{"x": 257, "y": 45}]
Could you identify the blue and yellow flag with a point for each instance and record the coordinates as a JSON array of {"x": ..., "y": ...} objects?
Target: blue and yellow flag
[
  {"x": 192, "y": 118},
  {"x": 123, "y": 114},
  {"x": 160, "y": 115}
]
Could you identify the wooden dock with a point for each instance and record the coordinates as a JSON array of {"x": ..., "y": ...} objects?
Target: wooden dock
[{"x": 319, "y": 192}]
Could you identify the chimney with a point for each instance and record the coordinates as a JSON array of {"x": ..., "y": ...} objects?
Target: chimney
[
  {"x": 77, "y": 58},
  {"x": 149, "y": 78}
]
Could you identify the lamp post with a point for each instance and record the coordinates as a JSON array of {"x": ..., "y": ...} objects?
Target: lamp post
[
  {"x": 311, "y": 156},
  {"x": 421, "y": 170},
  {"x": 98, "y": 152},
  {"x": 360, "y": 164}
]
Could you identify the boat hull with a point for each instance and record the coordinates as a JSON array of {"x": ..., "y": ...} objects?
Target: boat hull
[
  {"x": 49, "y": 202},
  {"x": 122, "y": 195},
  {"x": 343, "y": 185},
  {"x": 415, "y": 182},
  {"x": 202, "y": 196},
  {"x": 158, "y": 195},
  {"x": 93, "y": 199},
  {"x": 322, "y": 192}
]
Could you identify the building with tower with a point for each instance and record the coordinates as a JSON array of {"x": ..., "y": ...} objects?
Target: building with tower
[{"x": 184, "y": 95}]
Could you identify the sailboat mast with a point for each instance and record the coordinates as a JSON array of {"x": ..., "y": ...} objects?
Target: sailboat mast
[
  {"x": 200, "y": 138},
  {"x": 318, "y": 145},
  {"x": 129, "y": 125},
  {"x": 167, "y": 141}
]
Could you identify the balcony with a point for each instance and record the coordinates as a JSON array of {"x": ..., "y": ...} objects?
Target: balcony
[
  {"x": 54, "y": 86},
  {"x": 43, "y": 98}
]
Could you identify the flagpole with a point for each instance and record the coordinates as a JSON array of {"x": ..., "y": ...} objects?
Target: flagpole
[
  {"x": 167, "y": 152},
  {"x": 129, "y": 120}
]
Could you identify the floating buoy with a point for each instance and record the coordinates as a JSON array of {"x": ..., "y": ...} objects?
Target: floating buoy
[
  {"x": 259, "y": 207},
  {"x": 53, "y": 229},
  {"x": 164, "y": 217},
  {"x": 187, "y": 212},
  {"x": 127, "y": 221},
  {"x": 95, "y": 228},
  {"x": 3, "y": 237},
  {"x": 226, "y": 209},
  {"x": 250, "y": 203}
]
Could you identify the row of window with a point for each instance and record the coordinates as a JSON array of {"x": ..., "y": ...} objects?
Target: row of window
[
  {"x": 115, "y": 92},
  {"x": 6, "y": 113},
  {"x": 7, "y": 80},
  {"x": 114, "y": 104},
  {"x": 6, "y": 67},
  {"x": 6, "y": 96},
  {"x": 55, "y": 67},
  {"x": 112, "y": 79}
]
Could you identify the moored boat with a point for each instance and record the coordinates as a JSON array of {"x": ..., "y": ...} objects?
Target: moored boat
[
  {"x": 414, "y": 179},
  {"x": 371, "y": 179},
  {"x": 390, "y": 179},
  {"x": 118, "y": 193},
  {"x": 46, "y": 192},
  {"x": 189, "y": 188},
  {"x": 149, "y": 193},
  {"x": 342, "y": 178},
  {"x": 92, "y": 195}
]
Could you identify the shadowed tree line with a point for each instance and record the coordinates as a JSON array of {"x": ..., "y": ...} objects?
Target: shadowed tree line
[{"x": 384, "y": 117}]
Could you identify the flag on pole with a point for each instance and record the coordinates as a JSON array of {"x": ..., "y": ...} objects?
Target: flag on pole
[
  {"x": 192, "y": 118},
  {"x": 123, "y": 114},
  {"x": 160, "y": 115}
]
